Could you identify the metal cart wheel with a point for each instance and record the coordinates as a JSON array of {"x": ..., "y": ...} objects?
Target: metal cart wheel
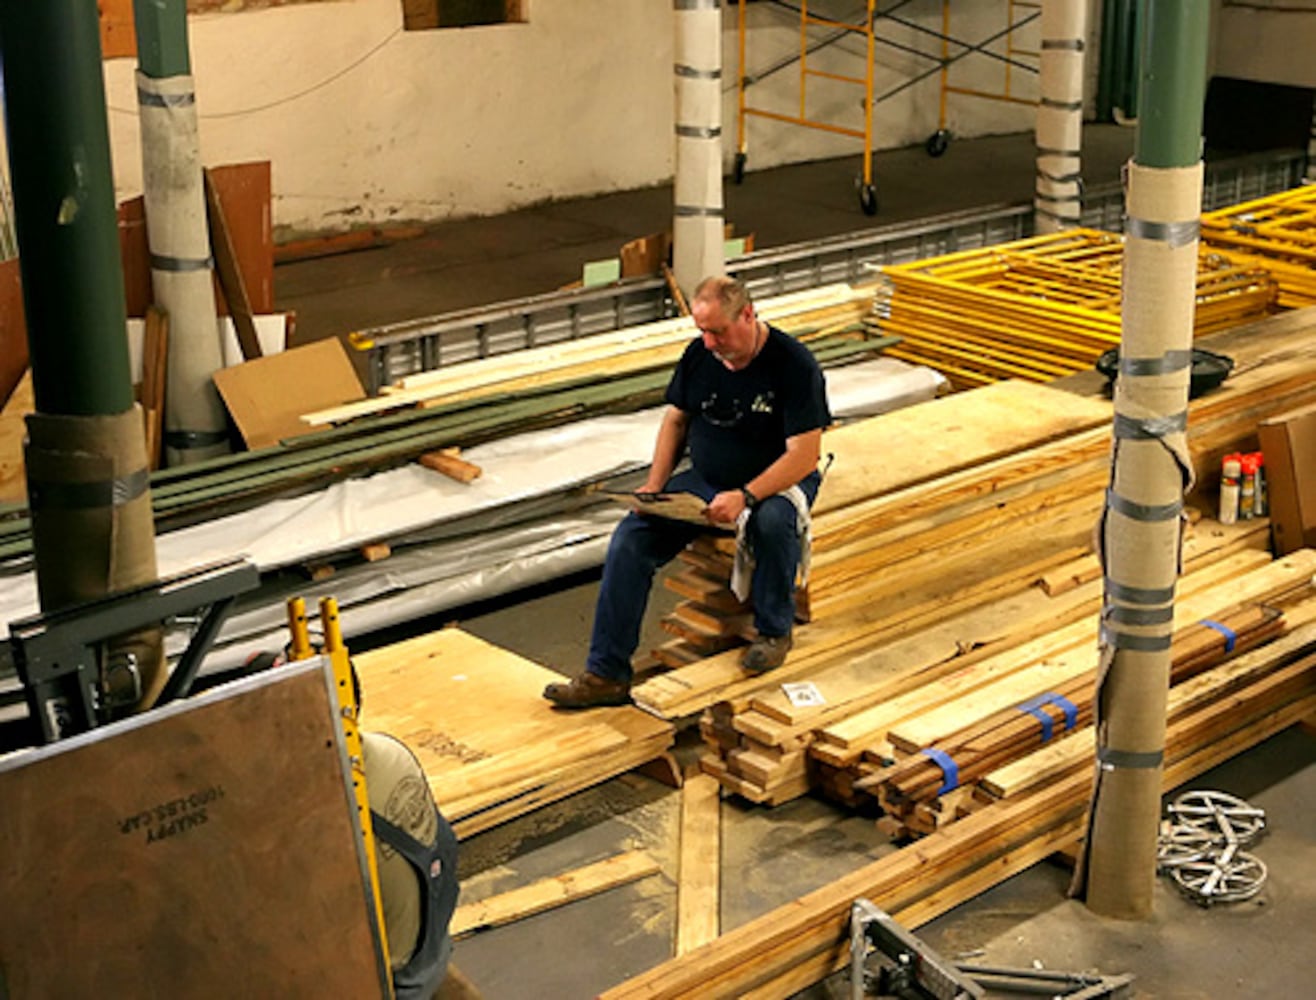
[
  {"x": 938, "y": 142},
  {"x": 738, "y": 168},
  {"x": 1224, "y": 880},
  {"x": 868, "y": 198}
]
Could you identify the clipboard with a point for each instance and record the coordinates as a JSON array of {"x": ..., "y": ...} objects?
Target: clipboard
[{"x": 687, "y": 507}]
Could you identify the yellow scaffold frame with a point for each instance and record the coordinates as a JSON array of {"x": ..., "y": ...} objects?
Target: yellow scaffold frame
[
  {"x": 938, "y": 142},
  {"x": 867, "y": 191}
]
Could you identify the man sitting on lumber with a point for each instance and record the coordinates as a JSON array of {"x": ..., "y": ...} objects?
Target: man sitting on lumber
[{"x": 749, "y": 403}]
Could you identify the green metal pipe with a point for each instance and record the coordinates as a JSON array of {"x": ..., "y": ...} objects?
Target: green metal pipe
[
  {"x": 59, "y": 156},
  {"x": 1172, "y": 84},
  {"x": 1110, "y": 42},
  {"x": 161, "y": 27}
]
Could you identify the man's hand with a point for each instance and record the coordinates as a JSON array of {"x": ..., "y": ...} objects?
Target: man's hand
[{"x": 725, "y": 507}]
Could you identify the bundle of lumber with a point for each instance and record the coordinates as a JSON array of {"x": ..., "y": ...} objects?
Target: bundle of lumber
[
  {"x": 769, "y": 750},
  {"x": 1039, "y": 308},
  {"x": 491, "y": 746},
  {"x": 897, "y": 543},
  {"x": 798, "y": 944},
  {"x": 654, "y": 346},
  {"x": 1278, "y": 233},
  {"x": 994, "y": 488},
  {"x": 923, "y": 767}
]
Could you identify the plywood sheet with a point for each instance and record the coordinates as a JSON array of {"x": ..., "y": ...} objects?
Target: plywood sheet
[
  {"x": 475, "y": 716},
  {"x": 207, "y": 849}
]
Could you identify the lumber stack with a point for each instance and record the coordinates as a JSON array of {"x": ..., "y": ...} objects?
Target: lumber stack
[
  {"x": 1278, "y": 233},
  {"x": 800, "y": 943},
  {"x": 975, "y": 511},
  {"x": 650, "y": 347},
  {"x": 837, "y": 746},
  {"x": 491, "y": 746},
  {"x": 1039, "y": 308}
]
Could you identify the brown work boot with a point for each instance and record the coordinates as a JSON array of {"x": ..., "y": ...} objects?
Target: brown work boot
[
  {"x": 589, "y": 691},
  {"x": 767, "y": 652}
]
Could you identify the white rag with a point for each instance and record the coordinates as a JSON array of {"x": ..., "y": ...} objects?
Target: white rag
[{"x": 742, "y": 566}]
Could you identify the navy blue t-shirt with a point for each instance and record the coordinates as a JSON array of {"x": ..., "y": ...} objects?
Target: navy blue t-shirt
[{"x": 739, "y": 421}]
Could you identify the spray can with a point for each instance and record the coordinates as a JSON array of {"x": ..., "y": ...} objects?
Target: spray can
[
  {"x": 1230, "y": 470},
  {"x": 1247, "y": 493},
  {"x": 1261, "y": 505}
]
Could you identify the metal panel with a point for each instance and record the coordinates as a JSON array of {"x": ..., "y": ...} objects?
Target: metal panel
[{"x": 403, "y": 349}]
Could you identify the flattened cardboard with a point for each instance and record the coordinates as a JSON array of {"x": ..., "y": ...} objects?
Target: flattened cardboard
[
  {"x": 1289, "y": 443},
  {"x": 266, "y": 397}
]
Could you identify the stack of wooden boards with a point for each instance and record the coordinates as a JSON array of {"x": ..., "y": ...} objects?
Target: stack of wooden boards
[
  {"x": 1278, "y": 233},
  {"x": 1039, "y": 308},
  {"x": 973, "y": 520},
  {"x": 474, "y": 715},
  {"x": 1001, "y": 693},
  {"x": 829, "y": 317}
]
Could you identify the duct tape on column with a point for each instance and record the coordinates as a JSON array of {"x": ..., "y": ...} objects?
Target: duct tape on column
[
  {"x": 1133, "y": 643},
  {"x": 1109, "y": 759},
  {"x": 699, "y": 131},
  {"x": 694, "y": 73},
  {"x": 1173, "y": 234},
  {"x": 1062, "y": 44},
  {"x": 163, "y": 262},
  {"x": 64, "y": 495},
  {"x": 1150, "y": 428},
  {"x": 1144, "y": 512},
  {"x": 1048, "y": 102}
]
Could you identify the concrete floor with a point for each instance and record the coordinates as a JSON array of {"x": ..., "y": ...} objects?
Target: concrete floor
[{"x": 769, "y": 857}]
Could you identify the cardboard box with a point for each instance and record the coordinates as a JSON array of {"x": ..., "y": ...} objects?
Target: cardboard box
[{"x": 1289, "y": 443}]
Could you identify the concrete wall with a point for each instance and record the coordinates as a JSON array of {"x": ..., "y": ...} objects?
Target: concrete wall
[
  {"x": 1269, "y": 41},
  {"x": 366, "y": 123}
]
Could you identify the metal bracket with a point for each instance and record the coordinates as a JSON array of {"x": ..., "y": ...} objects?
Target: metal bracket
[
  {"x": 58, "y": 654},
  {"x": 913, "y": 970}
]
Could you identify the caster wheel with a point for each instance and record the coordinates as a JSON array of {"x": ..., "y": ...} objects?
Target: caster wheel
[
  {"x": 938, "y": 142},
  {"x": 868, "y": 199},
  {"x": 738, "y": 168}
]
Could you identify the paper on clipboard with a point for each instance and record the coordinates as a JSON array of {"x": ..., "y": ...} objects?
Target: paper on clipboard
[{"x": 675, "y": 506}]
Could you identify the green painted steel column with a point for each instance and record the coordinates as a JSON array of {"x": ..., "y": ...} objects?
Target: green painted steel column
[
  {"x": 161, "y": 27},
  {"x": 1172, "y": 84},
  {"x": 59, "y": 152},
  {"x": 85, "y": 455}
]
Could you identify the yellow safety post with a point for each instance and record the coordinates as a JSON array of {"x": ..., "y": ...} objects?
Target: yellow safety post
[{"x": 348, "y": 710}]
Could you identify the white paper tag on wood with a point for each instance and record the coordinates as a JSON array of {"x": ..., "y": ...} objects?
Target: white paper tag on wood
[{"x": 803, "y": 694}]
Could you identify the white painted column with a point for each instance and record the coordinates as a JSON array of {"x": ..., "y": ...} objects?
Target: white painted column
[
  {"x": 697, "y": 226},
  {"x": 1057, "y": 199},
  {"x": 179, "y": 240}
]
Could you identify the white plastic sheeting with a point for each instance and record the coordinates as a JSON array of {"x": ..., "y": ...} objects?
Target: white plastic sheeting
[{"x": 529, "y": 518}]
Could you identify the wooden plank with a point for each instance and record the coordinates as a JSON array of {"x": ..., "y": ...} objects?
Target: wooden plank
[
  {"x": 1259, "y": 585},
  {"x": 191, "y": 810},
  {"x": 490, "y": 745},
  {"x": 229, "y": 273},
  {"x": 155, "y": 359},
  {"x": 449, "y": 462},
  {"x": 550, "y": 893},
  {"x": 698, "y": 901},
  {"x": 13, "y": 434}
]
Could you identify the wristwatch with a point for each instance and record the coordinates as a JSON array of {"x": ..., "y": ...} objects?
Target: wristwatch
[{"x": 751, "y": 501}]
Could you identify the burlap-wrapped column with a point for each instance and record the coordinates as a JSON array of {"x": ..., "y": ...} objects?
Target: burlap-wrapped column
[
  {"x": 697, "y": 227},
  {"x": 1140, "y": 536},
  {"x": 1057, "y": 197},
  {"x": 179, "y": 238},
  {"x": 93, "y": 531}
]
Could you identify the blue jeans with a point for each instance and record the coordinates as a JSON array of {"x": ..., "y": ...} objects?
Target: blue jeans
[{"x": 640, "y": 545}]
